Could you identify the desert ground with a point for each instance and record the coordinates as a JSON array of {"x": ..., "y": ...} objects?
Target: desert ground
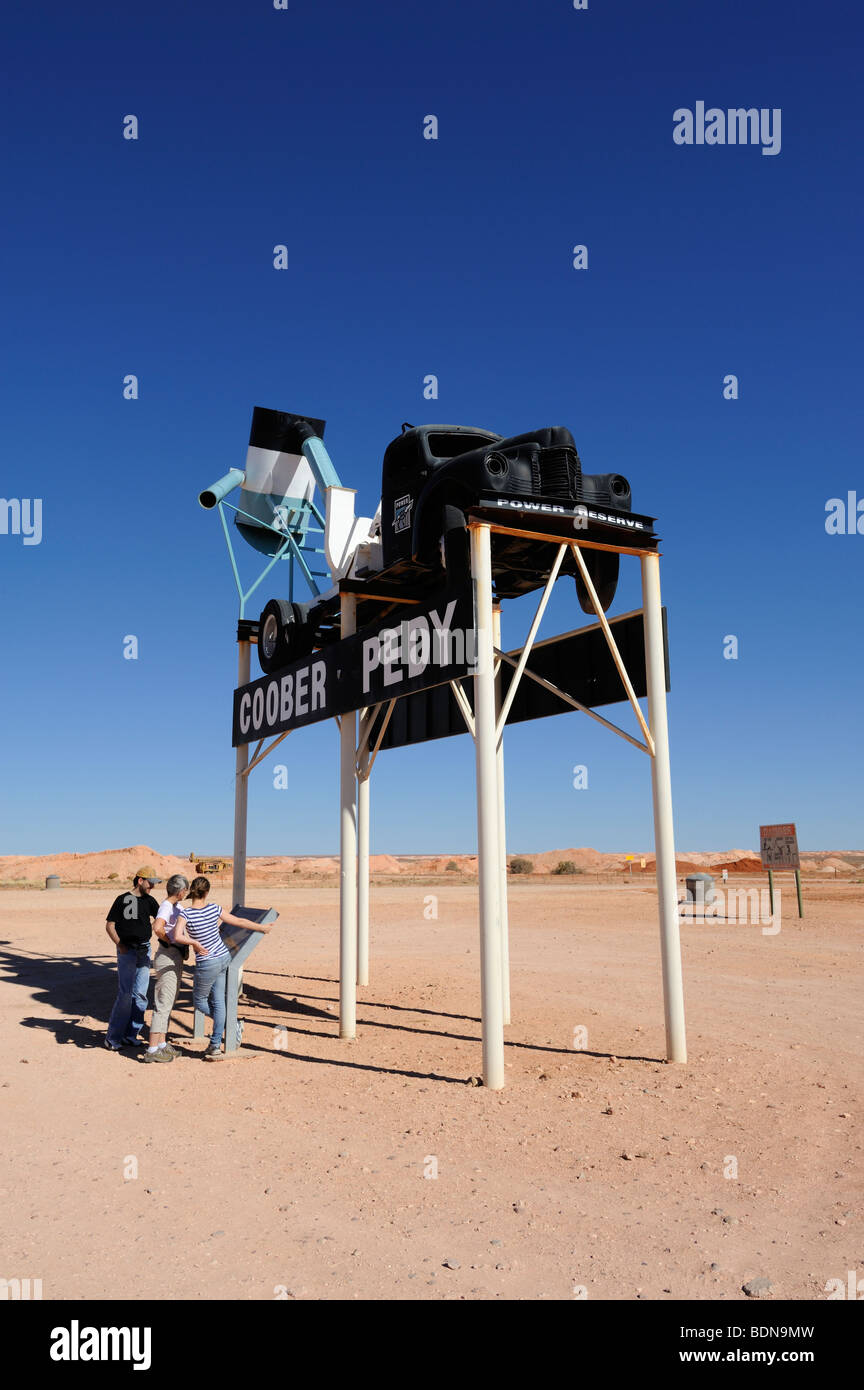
[{"x": 314, "y": 1168}]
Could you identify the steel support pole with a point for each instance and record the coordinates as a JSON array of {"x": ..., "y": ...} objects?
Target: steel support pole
[
  {"x": 348, "y": 852},
  {"x": 233, "y": 977},
  {"x": 502, "y": 832},
  {"x": 363, "y": 881},
  {"x": 487, "y": 813},
  {"x": 241, "y": 789},
  {"x": 664, "y": 835}
]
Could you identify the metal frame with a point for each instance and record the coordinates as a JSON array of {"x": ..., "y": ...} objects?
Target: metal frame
[
  {"x": 488, "y": 729},
  {"x": 294, "y": 551},
  {"x": 486, "y": 724}
]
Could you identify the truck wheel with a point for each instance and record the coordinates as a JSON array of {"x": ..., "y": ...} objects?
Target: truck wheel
[
  {"x": 272, "y": 644},
  {"x": 602, "y": 566},
  {"x": 285, "y": 634},
  {"x": 457, "y": 549}
]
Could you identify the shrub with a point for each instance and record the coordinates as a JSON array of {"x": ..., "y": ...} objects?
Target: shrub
[
  {"x": 452, "y": 867},
  {"x": 521, "y": 866},
  {"x": 110, "y": 876},
  {"x": 565, "y": 866}
]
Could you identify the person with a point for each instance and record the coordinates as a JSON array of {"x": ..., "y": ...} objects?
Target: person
[
  {"x": 129, "y": 926},
  {"x": 209, "y": 986},
  {"x": 174, "y": 943}
]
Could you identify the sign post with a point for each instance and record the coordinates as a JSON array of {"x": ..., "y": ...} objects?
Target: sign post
[{"x": 778, "y": 848}]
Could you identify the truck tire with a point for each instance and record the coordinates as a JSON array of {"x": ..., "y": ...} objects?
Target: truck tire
[
  {"x": 602, "y": 566},
  {"x": 457, "y": 548},
  {"x": 272, "y": 645},
  {"x": 284, "y": 634}
]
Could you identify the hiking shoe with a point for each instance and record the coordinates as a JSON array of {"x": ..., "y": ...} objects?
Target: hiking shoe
[
  {"x": 169, "y": 1047},
  {"x": 240, "y": 1022},
  {"x": 160, "y": 1055},
  {"x": 213, "y": 1054},
  {"x": 112, "y": 1047}
]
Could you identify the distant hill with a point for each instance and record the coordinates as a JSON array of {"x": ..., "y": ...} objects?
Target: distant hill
[{"x": 117, "y": 866}]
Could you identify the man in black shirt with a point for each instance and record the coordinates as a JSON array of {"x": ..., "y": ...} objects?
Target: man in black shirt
[{"x": 129, "y": 927}]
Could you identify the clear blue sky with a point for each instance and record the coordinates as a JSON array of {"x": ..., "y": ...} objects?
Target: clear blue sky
[{"x": 410, "y": 257}]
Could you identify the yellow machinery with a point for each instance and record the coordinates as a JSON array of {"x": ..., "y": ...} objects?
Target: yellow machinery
[{"x": 209, "y": 866}]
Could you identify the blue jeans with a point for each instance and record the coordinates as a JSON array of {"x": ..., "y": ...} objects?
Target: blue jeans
[
  {"x": 127, "y": 1015},
  {"x": 209, "y": 991}
]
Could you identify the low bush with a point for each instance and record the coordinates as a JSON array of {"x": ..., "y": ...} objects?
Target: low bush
[{"x": 521, "y": 866}]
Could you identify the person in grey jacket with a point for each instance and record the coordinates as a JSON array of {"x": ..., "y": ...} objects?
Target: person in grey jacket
[{"x": 174, "y": 942}]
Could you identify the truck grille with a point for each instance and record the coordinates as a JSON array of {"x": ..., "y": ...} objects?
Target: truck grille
[{"x": 557, "y": 473}]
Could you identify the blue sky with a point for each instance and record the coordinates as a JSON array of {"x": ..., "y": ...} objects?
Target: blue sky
[{"x": 408, "y": 257}]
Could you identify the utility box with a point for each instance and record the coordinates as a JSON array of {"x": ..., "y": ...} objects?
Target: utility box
[
  {"x": 699, "y": 889},
  {"x": 52, "y": 881}
]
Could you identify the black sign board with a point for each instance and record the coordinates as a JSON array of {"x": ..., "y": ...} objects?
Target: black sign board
[
  {"x": 579, "y": 663},
  {"x": 581, "y": 516},
  {"x": 421, "y": 646}
]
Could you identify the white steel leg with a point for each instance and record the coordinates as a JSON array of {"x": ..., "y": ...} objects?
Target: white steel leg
[
  {"x": 363, "y": 881},
  {"x": 241, "y": 789},
  {"x": 487, "y": 813},
  {"x": 502, "y": 835},
  {"x": 664, "y": 835},
  {"x": 348, "y": 854}
]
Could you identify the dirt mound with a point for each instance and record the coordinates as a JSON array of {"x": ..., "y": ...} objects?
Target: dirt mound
[
  {"x": 99, "y": 867},
  {"x": 747, "y": 864},
  {"x": 683, "y": 867},
  {"x": 384, "y": 864},
  {"x": 831, "y": 865}
]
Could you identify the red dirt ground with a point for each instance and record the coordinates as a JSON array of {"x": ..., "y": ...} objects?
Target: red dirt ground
[{"x": 303, "y": 1169}]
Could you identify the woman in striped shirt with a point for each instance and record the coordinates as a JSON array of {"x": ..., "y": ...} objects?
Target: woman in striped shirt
[{"x": 210, "y": 977}]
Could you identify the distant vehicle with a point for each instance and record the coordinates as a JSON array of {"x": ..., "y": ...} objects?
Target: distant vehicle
[
  {"x": 209, "y": 866},
  {"x": 418, "y": 542}
]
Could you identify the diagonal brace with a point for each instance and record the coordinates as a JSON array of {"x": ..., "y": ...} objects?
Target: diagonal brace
[
  {"x": 584, "y": 709},
  {"x": 462, "y": 702},
  {"x": 529, "y": 640},
  {"x": 610, "y": 641},
  {"x": 265, "y": 753}
]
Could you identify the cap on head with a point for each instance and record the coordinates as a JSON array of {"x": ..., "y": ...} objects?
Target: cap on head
[{"x": 148, "y": 872}]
